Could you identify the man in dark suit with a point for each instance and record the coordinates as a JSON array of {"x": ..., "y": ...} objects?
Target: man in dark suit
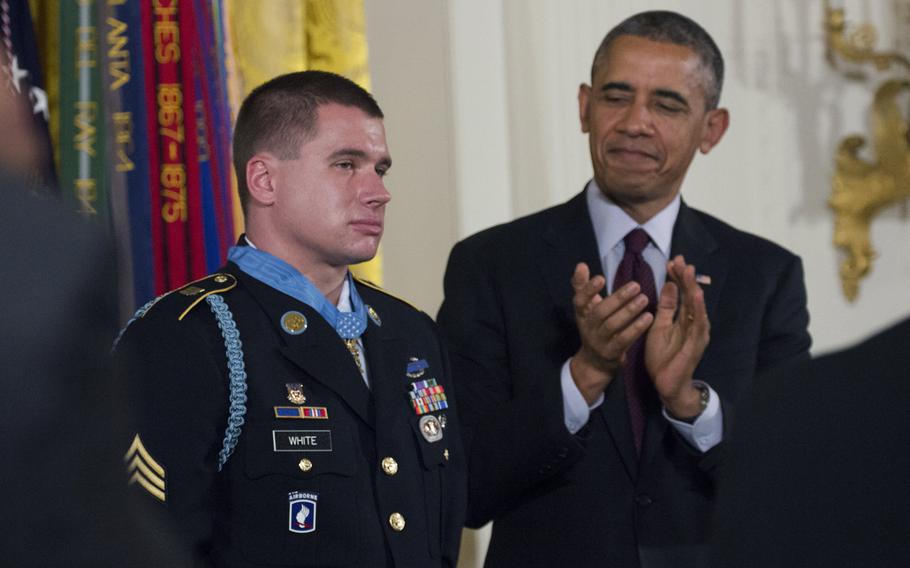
[
  {"x": 286, "y": 413},
  {"x": 819, "y": 468},
  {"x": 595, "y": 422}
]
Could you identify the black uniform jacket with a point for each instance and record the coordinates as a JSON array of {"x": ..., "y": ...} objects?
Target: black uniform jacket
[
  {"x": 377, "y": 491},
  {"x": 819, "y": 464},
  {"x": 587, "y": 499}
]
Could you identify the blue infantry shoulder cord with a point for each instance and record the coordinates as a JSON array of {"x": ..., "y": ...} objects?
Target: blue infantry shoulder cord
[
  {"x": 236, "y": 368},
  {"x": 234, "y": 350}
]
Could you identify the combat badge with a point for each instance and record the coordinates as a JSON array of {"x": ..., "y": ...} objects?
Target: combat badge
[
  {"x": 293, "y": 322},
  {"x": 295, "y": 393},
  {"x": 302, "y": 512},
  {"x": 427, "y": 396},
  {"x": 430, "y": 428},
  {"x": 416, "y": 368},
  {"x": 144, "y": 470}
]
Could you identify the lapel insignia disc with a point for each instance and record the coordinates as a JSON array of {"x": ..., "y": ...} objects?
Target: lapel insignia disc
[
  {"x": 303, "y": 412},
  {"x": 295, "y": 393},
  {"x": 302, "y": 512},
  {"x": 374, "y": 316},
  {"x": 430, "y": 428},
  {"x": 293, "y": 322},
  {"x": 416, "y": 367},
  {"x": 427, "y": 396}
]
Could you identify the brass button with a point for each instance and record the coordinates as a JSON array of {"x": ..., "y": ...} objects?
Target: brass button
[
  {"x": 396, "y": 520},
  {"x": 221, "y": 279},
  {"x": 305, "y": 465},
  {"x": 389, "y": 466}
]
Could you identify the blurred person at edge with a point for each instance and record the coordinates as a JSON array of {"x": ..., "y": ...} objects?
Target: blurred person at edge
[
  {"x": 61, "y": 414},
  {"x": 819, "y": 472}
]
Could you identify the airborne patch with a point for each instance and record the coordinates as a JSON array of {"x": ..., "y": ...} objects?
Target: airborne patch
[
  {"x": 144, "y": 470},
  {"x": 302, "y": 512}
]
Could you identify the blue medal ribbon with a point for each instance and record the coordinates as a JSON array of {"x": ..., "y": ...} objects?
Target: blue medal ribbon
[{"x": 285, "y": 278}]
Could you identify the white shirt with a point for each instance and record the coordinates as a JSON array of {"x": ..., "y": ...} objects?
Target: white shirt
[{"x": 611, "y": 224}]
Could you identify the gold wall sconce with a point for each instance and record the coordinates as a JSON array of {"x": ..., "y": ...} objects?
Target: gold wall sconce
[{"x": 862, "y": 188}]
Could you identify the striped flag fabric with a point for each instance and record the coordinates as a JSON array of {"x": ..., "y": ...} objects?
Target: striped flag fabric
[
  {"x": 23, "y": 75},
  {"x": 141, "y": 96}
]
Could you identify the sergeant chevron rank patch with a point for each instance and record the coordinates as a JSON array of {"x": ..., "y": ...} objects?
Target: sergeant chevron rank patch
[{"x": 144, "y": 470}]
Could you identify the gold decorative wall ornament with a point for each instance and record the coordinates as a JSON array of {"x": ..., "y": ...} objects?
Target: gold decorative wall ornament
[
  {"x": 857, "y": 45},
  {"x": 861, "y": 188}
]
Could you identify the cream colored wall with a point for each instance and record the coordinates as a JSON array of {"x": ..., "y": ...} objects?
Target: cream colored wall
[
  {"x": 409, "y": 61},
  {"x": 483, "y": 125}
]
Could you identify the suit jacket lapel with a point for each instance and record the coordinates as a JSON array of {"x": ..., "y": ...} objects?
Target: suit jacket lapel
[
  {"x": 615, "y": 413},
  {"x": 387, "y": 361},
  {"x": 693, "y": 240},
  {"x": 655, "y": 430},
  {"x": 318, "y": 351},
  {"x": 570, "y": 239}
]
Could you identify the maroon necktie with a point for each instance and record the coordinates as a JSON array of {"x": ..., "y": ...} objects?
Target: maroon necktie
[{"x": 638, "y": 383}]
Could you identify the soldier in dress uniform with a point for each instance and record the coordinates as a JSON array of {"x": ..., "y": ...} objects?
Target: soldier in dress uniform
[{"x": 287, "y": 413}]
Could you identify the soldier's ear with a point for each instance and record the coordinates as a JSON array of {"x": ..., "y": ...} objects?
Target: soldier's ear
[{"x": 260, "y": 178}]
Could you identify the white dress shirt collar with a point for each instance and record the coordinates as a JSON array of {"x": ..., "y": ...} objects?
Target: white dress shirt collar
[{"x": 612, "y": 224}]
